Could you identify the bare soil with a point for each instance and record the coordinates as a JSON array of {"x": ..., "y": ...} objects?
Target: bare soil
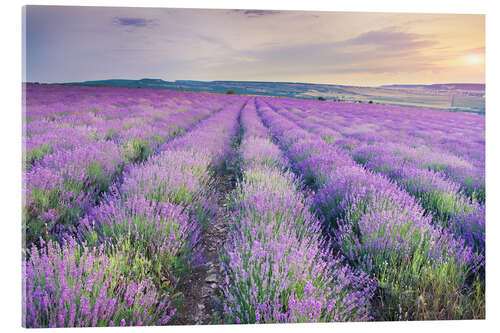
[{"x": 202, "y": 297}]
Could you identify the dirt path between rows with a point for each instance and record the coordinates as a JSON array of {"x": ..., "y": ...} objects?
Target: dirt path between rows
[{"x": 202, "y": 303}]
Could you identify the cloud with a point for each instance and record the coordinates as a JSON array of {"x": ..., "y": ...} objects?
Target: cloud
[
  {"x": 373, "y": 52},
  {"x": 477, "y": 50},
  {"x": 367, "y": 46},
  {"x": 133, "y": 22},
  {"x": 390, "y": 39},
  {"x": 253, "y": 13}
]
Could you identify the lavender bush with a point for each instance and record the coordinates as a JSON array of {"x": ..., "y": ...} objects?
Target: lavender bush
[
  {"x": 415, "y": 255},
  {"x": 277, "y": 264},
  {"x": 71, "y": 285},
  {"x": 78, "y": 142}
]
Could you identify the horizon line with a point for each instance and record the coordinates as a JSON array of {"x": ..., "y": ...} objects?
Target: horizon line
[{"x": 291, "y": 82}]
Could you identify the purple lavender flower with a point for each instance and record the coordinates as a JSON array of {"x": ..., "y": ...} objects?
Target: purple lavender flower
[
  {"x": 277, "y": 267},
  {"x": 376, "y": 225},
  {"x": 69, "y": 285}
]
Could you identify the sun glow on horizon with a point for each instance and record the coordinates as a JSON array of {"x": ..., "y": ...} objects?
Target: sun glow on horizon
[{"x": 474, "y": 59}]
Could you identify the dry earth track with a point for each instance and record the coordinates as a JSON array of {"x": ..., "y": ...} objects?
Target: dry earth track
[{"x": 202, "y": 297}]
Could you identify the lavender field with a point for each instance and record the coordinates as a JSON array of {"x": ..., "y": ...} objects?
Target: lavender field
[{"x": 160, "y": 207}]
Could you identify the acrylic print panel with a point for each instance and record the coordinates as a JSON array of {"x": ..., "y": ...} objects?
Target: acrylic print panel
[{"x": 202, "y": 166}]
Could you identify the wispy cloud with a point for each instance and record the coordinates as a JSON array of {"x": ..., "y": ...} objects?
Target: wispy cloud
[
  {"x": 367, "y": 46},
  {"x": 477, "y": 50},
  {"x": 253, "y": 13},
  {"x": 138, "y": 22},
  {"x": 374, "y": 52},
  {"x": 390, "y": 39}
]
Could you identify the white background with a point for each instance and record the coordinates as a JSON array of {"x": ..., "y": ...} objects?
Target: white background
[{"x": 10, "y": 155}]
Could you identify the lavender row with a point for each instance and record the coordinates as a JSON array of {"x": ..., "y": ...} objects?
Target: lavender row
[
  {"x": 138, "y": 134},
  {"x": 136, "y": 231},
  {"x": 151, "y": 204},
  {"x": 381, "y": 229},
  {"x": 63, "y": 185},
  {"x": 470, "y": 178},
  {"x": 374, "y": 125},
  {"x": 277, "y": 267},
  {"x": 71, "y": 285},
  {"x": 443, "y": 198},
  {"x": 148, "y": 228},
  {"x": 163, "y": 203},
  {"x": 127, "y": 120},
  {"x": 460, "y": 133},
  {"x": 450, "y": 208}
]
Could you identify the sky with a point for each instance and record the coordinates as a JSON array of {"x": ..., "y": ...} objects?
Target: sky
[{"x": 69, "y": 44}]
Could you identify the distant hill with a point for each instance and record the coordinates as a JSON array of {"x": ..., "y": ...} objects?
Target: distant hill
[
  {"x": 467, "y": 97},
  {"x": 441, "y": 86},
  {"x": 287, "y": 89},
  {"x": 143, "y": 83}
]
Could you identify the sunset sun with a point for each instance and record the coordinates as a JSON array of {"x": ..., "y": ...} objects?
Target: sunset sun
[{"x": 473, "y": 59}]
